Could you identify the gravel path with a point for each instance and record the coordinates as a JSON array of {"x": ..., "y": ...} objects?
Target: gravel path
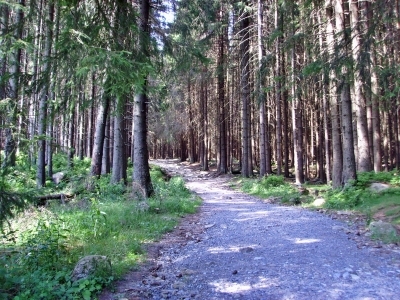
[{"x": 238, "y": 247}]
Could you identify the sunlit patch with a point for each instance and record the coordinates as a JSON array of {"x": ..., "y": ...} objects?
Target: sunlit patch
[
  {"x": 225, "y": 286},
  {"x": 306, "y": 241},
  {"x": 218, "y": 250},
  {"x": 252, "y": 215}
]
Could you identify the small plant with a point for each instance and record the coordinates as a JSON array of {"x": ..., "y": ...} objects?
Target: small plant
[
  {"x": 45, "y": 245},
  {"x": 98, "y": 217},
  {"x": 273, "y": 181},
  {"x": 271, "y": 186},
  {"x": 347, "y": 198}
]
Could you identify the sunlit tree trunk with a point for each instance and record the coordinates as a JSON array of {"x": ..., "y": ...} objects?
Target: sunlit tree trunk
[
  {"x": 99, "y": 135},
  {"x": 337, "y": 157},
  {"x": 349, "y": 163},
  {"x": 119, "y": 158},
  {"x": 297, "y": 124},
  {"x": 360, "y": 105}
]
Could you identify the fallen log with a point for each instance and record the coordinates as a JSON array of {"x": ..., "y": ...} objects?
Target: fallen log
[{"x": 42, "y": 200}]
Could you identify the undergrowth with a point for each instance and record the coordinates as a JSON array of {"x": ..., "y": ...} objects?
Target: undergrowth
[
  {"x": 359, "y": 196},
  {"x": 270, "y": 186},
  {"x": 41, "y": 245}
]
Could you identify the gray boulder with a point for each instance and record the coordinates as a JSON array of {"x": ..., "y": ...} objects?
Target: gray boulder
[
  {"x": 382, "y": 229},
  {"x": 378, "y": 187},
  {"x": 57, "y": 177},
  {"x": 90, "y": 265}
]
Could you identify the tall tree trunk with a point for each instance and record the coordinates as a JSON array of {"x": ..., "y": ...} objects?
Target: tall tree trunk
[
  {"x": 337, "y": 157},
  {"x": 364, "y": 158},
  {"x": 44, "y": 93},
  {"x": 261, "y": 91},
  {"x": 105, "y": 164},
  {"x": 223, "y": 155},
  {"x": 119, "y": 158},
  {"x": 71, "y": 137},
  {"x": 99, "y": 135},
  {"x": 325, "y": 104},
  {"x": 4, "y": 17},
  {"x": 375, "y": 116},
  {"x": 349, "y": 162},
  {"x": 90, "y": 117},
  {"x": 141, "y": 171},
  {"x": 14, "y": 84},
  {"x": 52, "y": 93},
  {"x": 278, "y": 91},
  {"x": 203, "y": 95},
  {"x": 297, "y": 128},
  {"x": 247, "y": 169},
  {"x": 192, "y": 150}
]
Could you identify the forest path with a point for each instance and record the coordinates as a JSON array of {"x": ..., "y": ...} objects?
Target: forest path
[{"x": 238, "y": 247}]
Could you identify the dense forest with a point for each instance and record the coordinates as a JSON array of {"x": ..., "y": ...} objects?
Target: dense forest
[{"x": 307, "y": 89}]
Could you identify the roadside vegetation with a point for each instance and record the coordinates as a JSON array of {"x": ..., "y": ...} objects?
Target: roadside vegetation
[
  {"x": 43, "y": 241},
  {"x": 357, "y": 197}
]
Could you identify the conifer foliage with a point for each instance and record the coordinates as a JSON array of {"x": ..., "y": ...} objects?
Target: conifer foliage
[{"x": 304, "y": 89}]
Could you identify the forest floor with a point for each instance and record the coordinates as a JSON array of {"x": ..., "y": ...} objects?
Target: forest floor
[{"x": 239, "y": 247}]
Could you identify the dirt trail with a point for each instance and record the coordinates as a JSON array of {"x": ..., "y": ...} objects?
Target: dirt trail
[{"x": 238, "y": 247}]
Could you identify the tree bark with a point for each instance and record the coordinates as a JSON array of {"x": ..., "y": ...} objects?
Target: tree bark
[
  {"x": 105, "y": 164},
  {"x": 247, "y": 168},
  {"x": 95, "y": 169},
  {"x": 297, "y": 129},
  {"x": 4, "y": 14},
  {"x": 14, "y": 83},
  {"x": 337, "y": 155},
  {"x": 261, "y": 92},
  {"x": 349, "y": 162},
  {"x": 325, "y": 104},
  {"x": 278, "y": 92},
  {"x": 223, "y": 155},
  {"x": 44, "y": 93},
  {"x": 141, "y": 170},
  {"x": 364, "y": 158},
  {"x": 119, "y": 158}
]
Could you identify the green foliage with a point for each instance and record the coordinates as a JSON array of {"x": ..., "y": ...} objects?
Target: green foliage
[
  {"x": 37, "y": 263},
  {"x": 43, "y": 246},
  {"x": 344, "y": 199},
  {"x": 270, "y": 186},
  {"x": 14, "y": 194},
  {"x": 358, "y": 194}
]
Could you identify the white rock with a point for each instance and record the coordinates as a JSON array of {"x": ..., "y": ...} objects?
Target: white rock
[
  {"x": 57, "y": 177},
  {"x": 319, "y": 202}
]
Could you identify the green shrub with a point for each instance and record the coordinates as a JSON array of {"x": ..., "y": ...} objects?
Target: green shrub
[
  {"x": 344, "y": 199},
  {"x": 271, "y": 186},
  {"x": 105, "y": 221},
  {"x": 273, "y": 181}
]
